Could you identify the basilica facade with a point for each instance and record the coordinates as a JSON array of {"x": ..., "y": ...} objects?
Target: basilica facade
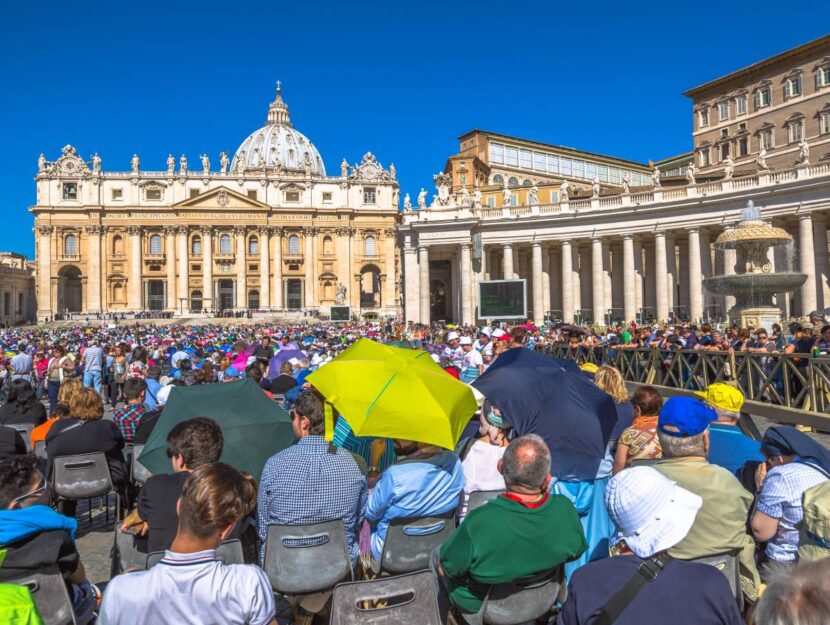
[{"x": 267, "y": 231}]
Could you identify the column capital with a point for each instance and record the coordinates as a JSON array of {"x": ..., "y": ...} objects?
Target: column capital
[
  {"x": 45, "y": 229},
  {"x": 277, "y": 231},
  {"x": 181, "y": 230},
  {"x": 136, "y": 230},
  {"x": 537, "y": 244},
  {"x": 628, "y": 237},
  {"x": 693, "y": 229},
  {"x": 660, "y": 234},
  {"x": 95, "y": 229},
  {"x": 264, "y": 230},
  {"x": 507, "y": 246},
  {"x": 239, "y": 230},
  {"x": 805, "y": 216},
  {"x": 465, "y": 245},
  {"x": 207, "y": 230}
]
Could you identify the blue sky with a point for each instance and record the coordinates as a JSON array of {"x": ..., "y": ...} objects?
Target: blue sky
[{"x": 401, "y": 80}]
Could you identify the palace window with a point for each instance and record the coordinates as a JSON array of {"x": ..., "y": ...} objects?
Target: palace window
[
  {"x": 293, "y": 245},
  {"x": 825, "y": 123},
  {"x": 743, "y": 146},
  {"x": 496, "y": 153},
  {"x": 491, "y": 202},
  {"x": 724, "y": 133},
  {"x": 792, "y": 87},
  {"x": 704, "y": 157},
  {"x": 514, "y": 200},
  {"x": 823, "y": 77},
  {"x": 292, "y": 196},
  {"x": 368, "y": 195},
  {"x": 117, "y": 194},
  {"x": 70, "y": 191},
  {"x": 796, "y": 131},
  {"x": 225, "y": 245},
  {"x": 740, "y": 105},
  {"x": 498, "y": 179},
  {"x": 155, "y": 245},
  {"x": 554, "y": 197},
  {"x": 369, "y": 246},
  {"x": 723, "y": 110},
  {"x": 724, "y": 151},
  {"x": 703, "y": 118},
  {"x": 70, "y": 245},
  {"x": 766, "y": 139},
  {"x": 253, "y": 246},
  {"x": 513, "y": 182},
  {"x": 525, "y": 159},
  {"x": 511, "y": 156},
  {"x": 763, "y": 97},
  {"x": 196, "y": 246}
]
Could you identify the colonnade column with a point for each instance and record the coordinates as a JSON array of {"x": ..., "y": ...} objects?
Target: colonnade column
[
  {"x": 134, "y": 281},
  {"x": 629, "y": 287},
  {"x": 93, "y": 282},
  {"x": 538, "y": 291},
  {"x": 695, "y": 276},
  {"x": 597, "y": 281},
  {"x": 822, "y": 262},
  {"x": 265, "y": 267},
  {"x": 207, "y": 268},
  {"x": 241, "y": 268},
  {"x": 276, "y": 293},
  {"x": 412, "y": 280},
  {"x": 567, "y": 283},
  {"x": 671, "y": 273},
  {"x": 507, "y": 261},
  {"x": 44, "y": 271},
  {"x": 169, "y": 265},
  {"x": 465, "y": 262},
  {"x": 807, "y": 263},
  {"x": 661, "y": 279},
  {"x": 730, "y": 260},
  {"x": 390, "y": 238},
  {"x": 547, "y": 303},
  {"x": 423, "y": 267},
  {"x": 182, "y": 291}
]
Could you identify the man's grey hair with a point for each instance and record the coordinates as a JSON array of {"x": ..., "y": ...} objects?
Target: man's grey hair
[
  {"x": 727, "y": 415},
  {"x": 681, "y": 446},
  {"x": 520, "y": 470},
  {"x": 798, "y": 596}
]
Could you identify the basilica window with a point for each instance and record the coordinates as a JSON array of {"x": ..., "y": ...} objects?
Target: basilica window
[
  {"x": 117, "y": 245},
  {"x": 70, "y": 245},
  {"x": 293, "y": 245},
  {"x": 155, "y": 245},
  {"x": 743, "y": 146},
  {"x": 292, "y": 196},
  {"x": 252, "y": 194},
  {"x": 225, "y": 245},
  {"x": 253, "y": 299},
  {"x": 196, "y": 246},
  {"x": 253, "y": 246},
  {"x": 328, "y": 246},
  {"x": 368, "y": 195},
  {"x": 370, "y": 246},
  {"x": 152, "y": 194},
  {"x": 70, "y": 191},
  {"x": 327, "y": 196},
  {"x": 117, "y": 195}
]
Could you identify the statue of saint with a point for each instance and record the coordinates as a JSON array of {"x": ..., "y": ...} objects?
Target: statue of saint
[
  {"x": 761, "y": 160},
  {"x": 655, "y": 178},
  {"x": 728, "y": 168},
  {"x": 223, "y": 162},
  {"x": 422, "y": 199},
  {"x": 595, "y": 187},
  {"x": 392, "y": 171},
  {"x": 464, "y": 197},
  {"x": 183, "y": 164},
  {"x": 626, "y": 184},
  {"x": 41, "y": 162},
  {"x": 505, "y": 196},
  {"x": 477, "y": 198},
  {"x": 96, "y": 163},
  {"x": 340, "y": 298},
  {"x": 690, "y": 173},
  {"x": 344, "y": 168},
  {"x": 257, "y": 158},
  {"x": 171, "y": 163},
  {"x": 533, "y": 195},
  {"x": 240, "y": 162},
  {"x": 803, "y": 152},
  {"x": 564, "y": 191},
  {"x": 407, "y": 204},
  {"x": 205, "y": 163},
  {"x": 136, "y": 163}
]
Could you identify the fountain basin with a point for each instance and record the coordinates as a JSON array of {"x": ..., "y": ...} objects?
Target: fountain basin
[{"x": 755, "y": 284}]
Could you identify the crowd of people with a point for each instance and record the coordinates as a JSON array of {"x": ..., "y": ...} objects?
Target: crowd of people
[{"x": 680, "y": 481}]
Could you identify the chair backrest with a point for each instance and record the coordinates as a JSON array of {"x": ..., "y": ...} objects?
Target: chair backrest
[
  {"x": 229, "y": 552},
  {"x": 50, "y": 596},
  {"x": 727, "y": 563},
  {"x": 301, "y": 559},
  {"x": 400, "y": 600},
  {"x": 129, "y": 557},
  {"x": 138, "y": 471},
  {"x": 81, "y": 476},
  {"x": 40, "y": 449},
  {"x": 523, "y": 601},
  {"x": 410, "y": 541},
  {"x": 478, "y": 498},
  {"x": 25, "y": 430}
]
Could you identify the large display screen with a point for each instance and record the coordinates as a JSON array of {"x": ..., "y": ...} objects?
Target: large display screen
[
  {"x": 502, "y": 299},
  {"x": 341, "y": 313}
]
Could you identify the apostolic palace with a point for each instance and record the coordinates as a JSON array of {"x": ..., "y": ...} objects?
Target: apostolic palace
[{"x": 597, "y": 238}]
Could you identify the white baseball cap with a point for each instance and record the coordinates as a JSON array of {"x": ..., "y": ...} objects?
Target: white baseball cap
[
  {"x": 466, "y": 340},
  {"x": 452, "y": 336},
  {"x": 498, "y": 332},
  {"x": 651, "y": 512}
]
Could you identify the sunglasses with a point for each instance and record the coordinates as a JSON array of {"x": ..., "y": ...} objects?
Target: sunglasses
[{"x": 33, "y": 493}]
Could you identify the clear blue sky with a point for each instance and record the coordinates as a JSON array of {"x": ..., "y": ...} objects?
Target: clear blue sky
[{"x": 403, "y": 80}]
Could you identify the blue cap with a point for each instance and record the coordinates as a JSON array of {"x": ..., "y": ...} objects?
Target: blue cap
[
  {"x": 231, "y": 372},
  {"x": 687, "y": 416}
]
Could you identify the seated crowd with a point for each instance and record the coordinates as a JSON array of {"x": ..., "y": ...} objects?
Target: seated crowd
[{"x": 681, "y": 483}]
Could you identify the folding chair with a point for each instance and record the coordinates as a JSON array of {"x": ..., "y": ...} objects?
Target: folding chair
[
  {"x": 138, "y": 472},
  {"x": 410, "y": 541},
  {"x": 25, "y": 430},
  {"x": 728, "y": 564},
  {"x": 50, "y": 596},
  {"x": 478, "y": 498},
  {"x": 229, "y": 552},
  {"x": 521, "y": 601},
  {"x": 400, "y": 600},
  {"x": 83, "y": 476}
]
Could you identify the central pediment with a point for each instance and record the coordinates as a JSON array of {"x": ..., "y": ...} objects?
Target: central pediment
[{"x": 222, "y": 199}]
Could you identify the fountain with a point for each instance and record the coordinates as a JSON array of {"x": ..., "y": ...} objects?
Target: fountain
[{"x": 755, "y": 283}]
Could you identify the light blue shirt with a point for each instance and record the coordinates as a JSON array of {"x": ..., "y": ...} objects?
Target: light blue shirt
[
  {"x": 150, "y": 397},
  {"x": 414, "y": 488},
  {"x": 730, "y": 448}
]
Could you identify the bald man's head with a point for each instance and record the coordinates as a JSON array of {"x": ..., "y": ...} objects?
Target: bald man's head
[{"x": 526, "y": 464}]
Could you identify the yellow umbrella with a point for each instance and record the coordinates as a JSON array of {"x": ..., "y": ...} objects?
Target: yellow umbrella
[{"x": 391, "y": 392}]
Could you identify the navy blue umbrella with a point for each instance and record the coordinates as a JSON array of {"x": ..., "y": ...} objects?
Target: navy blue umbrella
[{"x": 554, "y": 399}]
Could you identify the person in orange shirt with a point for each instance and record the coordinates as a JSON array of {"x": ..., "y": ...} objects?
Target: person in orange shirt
[{"x": 40, "y": 432}]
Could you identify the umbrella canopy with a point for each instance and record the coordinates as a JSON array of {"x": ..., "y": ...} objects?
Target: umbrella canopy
[
  {"x": 392, "y": 392},
  {"x": 254, "y": 427},
  {"x": 552, "y": 398},
  {"x": 568, "y": 328},
  {"x": 284, "y": 355},
  {"x": 401, "y": 344}
]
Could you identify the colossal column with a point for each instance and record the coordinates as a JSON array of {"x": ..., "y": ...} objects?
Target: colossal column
[
  {"x": 93, "y": 264},
  {"x": 567, "y": 283},
  {"x": 265, "y": 267},
  {"x": 423, "y": 265},
  {"x": 170, "y": 266},
  {"x": 465, "y": 269},
  {"x": 629, "y": 281},
  {"x": 241, "y": 268},
  {"x": 134, "y": 279},
  {"x": 182, "y": 294},
  {"x": 44, "y": 272},
  {"x": 597, "y": 281},
  {"x": 661, "y": 278},
  {"x": 695, "y": 276},
  {"x": 308, "y": 298},
  {"x": 207, "y": 268},
  {"x": 276, "y": 293},
  {"x": 390, "y": 302},
  {"x": 807, "y": 263},
  {"x": 538, "y": 290}
]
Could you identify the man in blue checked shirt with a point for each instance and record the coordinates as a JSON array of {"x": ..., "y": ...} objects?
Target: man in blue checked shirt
[{"x": 310, "y": 482}]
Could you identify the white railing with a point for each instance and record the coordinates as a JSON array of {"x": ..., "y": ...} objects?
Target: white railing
[
  {"x": 642, "y": 198},
  {"x": 709, "y": 189},
  {"x": 578, "y": 205},
  {"x": 607, "y": 202},
  {"x": 748, "y": 182},
  {"x": 550, "y": 209},
  {"x": 675, "y": 194}
]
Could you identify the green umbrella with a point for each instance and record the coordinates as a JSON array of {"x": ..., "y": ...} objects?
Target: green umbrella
[{"x": 254, "y": 426}]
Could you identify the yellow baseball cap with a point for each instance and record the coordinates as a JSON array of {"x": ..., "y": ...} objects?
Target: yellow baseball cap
[
  {"x": 723, "y": 396},
  {"x": 588, "y": 367}
]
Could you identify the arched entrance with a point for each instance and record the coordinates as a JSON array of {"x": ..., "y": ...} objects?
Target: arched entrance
[
  {"x": 70, "y": 290},
  {"x": 370, "y": 287},
  {"x": 438, "y": 300}
]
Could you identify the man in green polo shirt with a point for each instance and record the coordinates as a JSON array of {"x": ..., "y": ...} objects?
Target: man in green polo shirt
[{"x": 521, "y": 533}]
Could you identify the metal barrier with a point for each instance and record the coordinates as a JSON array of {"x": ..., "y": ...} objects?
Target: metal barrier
[{"x": 795, "y": 381}]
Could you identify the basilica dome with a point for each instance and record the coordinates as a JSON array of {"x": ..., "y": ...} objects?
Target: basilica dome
[{"x": 277, "y": 146}]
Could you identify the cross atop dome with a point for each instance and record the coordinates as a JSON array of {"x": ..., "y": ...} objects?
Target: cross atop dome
[{"x": 278, "y": 111}]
